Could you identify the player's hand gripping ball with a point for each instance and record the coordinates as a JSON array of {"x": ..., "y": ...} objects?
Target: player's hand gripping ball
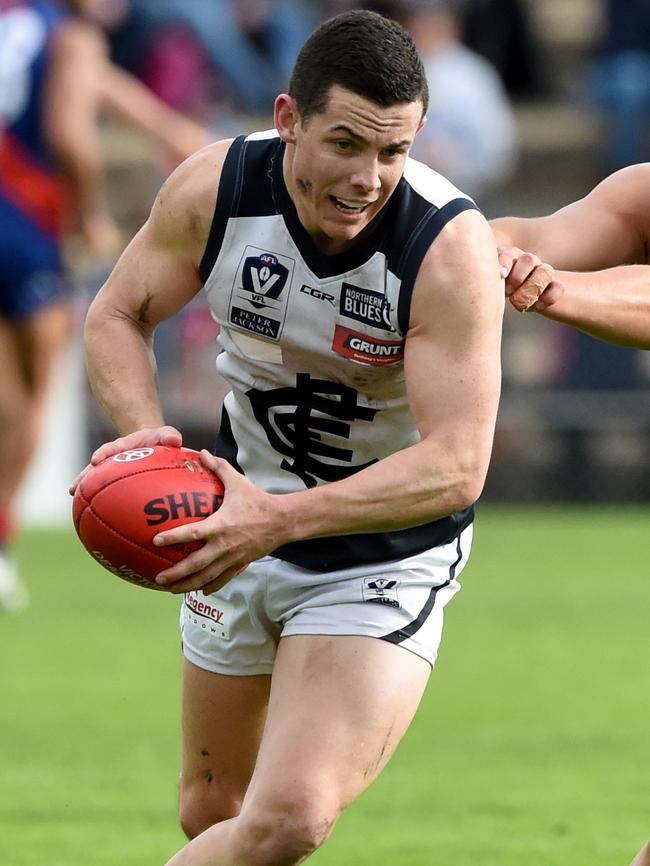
[{"x": 127, "y": 499}]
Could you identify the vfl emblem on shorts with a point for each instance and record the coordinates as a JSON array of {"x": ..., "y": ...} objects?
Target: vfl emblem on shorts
[
  {"x": 366, "y": 349},
  {"x": 258, "y": 302},
  {"x": 380, "y": 591}
]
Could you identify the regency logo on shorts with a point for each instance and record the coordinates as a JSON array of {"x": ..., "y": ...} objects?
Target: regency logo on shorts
[{"x": 211, "y": 615}]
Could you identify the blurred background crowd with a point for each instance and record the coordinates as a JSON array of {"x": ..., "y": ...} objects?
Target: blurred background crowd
[{"x": 532, "y": 103}]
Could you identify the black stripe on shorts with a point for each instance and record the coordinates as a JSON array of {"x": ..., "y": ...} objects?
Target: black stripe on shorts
[{"x": 409, "y": 630}]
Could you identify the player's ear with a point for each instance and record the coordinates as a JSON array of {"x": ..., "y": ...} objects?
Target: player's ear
[{"x": 286, "y": 117}]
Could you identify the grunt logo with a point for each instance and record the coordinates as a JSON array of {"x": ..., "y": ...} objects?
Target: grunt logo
[{"x": 366, "y": 349}]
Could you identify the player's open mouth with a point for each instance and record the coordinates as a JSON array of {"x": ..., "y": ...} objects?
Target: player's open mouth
[{"x": 348, "y": 205}]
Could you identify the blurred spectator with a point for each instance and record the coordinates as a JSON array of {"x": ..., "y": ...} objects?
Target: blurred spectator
[
  {"x": 251, "y": 43},
  {"x": 54, "y": 77},
  {"x": 502, "y": 32},
  {"x": 620, "y": 80},
  {"x": 470, "y": 133}
]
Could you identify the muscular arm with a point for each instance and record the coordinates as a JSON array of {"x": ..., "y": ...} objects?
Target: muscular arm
[
  {"x": 452, "y": 367},
  {"x": 156, "y": 276},
  {"x": 608, "y": 228}
]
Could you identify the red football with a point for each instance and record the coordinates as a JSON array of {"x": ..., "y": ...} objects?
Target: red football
[{"x": 122, "y": 503}]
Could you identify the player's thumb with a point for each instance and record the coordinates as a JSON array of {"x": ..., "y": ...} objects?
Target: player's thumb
[{"x": 171, "y": 436}]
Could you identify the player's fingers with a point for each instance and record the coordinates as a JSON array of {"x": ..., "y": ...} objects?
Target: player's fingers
[
  {"x": 528, "y": 293},
  {"x": 214, "y": 574},
  {"x": 146, "y": 437},
  {"x": 220, "y": 467},
  {"x": 77, "y": 480},
  {"x": 549, "y": 296},
  {"x": 224, "y": 578},
  {"x": 507, "y": 257},
  {"x": 521, "y": 270}
]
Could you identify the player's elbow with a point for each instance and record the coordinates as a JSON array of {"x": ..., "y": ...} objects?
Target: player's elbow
[
  {"x": 465, "y": 493},
  {"x": 467, "y": 485}
]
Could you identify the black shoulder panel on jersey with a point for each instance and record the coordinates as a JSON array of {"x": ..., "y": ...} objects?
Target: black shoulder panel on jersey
[
  {"x": 245, "y": 189},
  {"x": 223, "y": 208},
  {"x": 410, "y": 243}
]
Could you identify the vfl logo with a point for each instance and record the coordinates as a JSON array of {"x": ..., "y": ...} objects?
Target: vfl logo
[
  {"x": 381, "y": 591},
  {"x": 264, "y": 278},
  {"x": 365, "y": 306},
  {"x": 366, "y": 349},
  {"x": 258, "y": 302},
  {"x": 133, "y": 454}
]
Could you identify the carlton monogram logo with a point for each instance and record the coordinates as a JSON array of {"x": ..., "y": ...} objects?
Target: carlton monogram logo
[
  {"x": 296, "y": 420},
  {"x": 133, "y": 454}
]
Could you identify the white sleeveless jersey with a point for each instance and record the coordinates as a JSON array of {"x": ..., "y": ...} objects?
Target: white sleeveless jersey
[{"x": 313, "y": 345}]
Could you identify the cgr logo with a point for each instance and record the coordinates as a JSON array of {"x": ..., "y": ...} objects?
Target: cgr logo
[
  {"x": 133, "y": 454},
  {"x": 317, "y": 293},
  {"x": 264, "y": 278}
]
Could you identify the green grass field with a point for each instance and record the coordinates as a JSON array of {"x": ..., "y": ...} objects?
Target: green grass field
[{"x": 532, "y": 746}]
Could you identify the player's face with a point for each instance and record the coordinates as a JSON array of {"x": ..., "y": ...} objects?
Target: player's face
[{"x": 342, "y": 166}]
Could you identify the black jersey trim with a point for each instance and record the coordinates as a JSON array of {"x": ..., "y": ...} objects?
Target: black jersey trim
[
  {"x": 416, "y": 248},
  {"x": 228, "y": 183},
  {"x": 347, "y": 551},
  {"x": 226, "y": 446},
  {"x": 415, "y": 625}
]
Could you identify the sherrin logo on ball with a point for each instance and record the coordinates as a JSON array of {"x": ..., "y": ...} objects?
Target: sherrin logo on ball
[{"x": 127, "y": 499}]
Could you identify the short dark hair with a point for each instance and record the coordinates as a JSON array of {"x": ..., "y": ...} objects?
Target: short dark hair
[{"x": 363, "y": 52}]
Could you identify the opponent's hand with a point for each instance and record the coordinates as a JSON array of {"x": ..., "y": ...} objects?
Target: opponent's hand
[
  {"x": 248, "y": 525},
  {"x": 146, "y": 437},
  {"x": 529, "y": 282}
]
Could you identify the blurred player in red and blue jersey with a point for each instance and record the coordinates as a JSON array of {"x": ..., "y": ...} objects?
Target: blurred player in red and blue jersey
[{"x": 54, "y": 78}]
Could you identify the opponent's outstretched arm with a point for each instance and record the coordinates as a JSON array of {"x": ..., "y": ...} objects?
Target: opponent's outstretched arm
[{"x": 606, "y": 235}]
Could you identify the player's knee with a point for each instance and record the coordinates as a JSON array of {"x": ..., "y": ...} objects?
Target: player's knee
[
  {"x": 204, "y": 803},
  {"x": 287, "y": 832}
]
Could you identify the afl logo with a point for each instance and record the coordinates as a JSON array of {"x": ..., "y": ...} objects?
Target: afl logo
[{"x": 133, "y": 454}]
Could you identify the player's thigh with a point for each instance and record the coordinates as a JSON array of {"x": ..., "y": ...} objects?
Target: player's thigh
[
  {"x": 222, "y": 722},
  {"x": 12, "y": 390},
  {"x": 41, "y": 336},
  {"x": 339, "y": 707}
]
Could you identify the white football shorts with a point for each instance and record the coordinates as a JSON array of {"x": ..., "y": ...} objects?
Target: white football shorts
[{"x": 236, "y": 630}]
